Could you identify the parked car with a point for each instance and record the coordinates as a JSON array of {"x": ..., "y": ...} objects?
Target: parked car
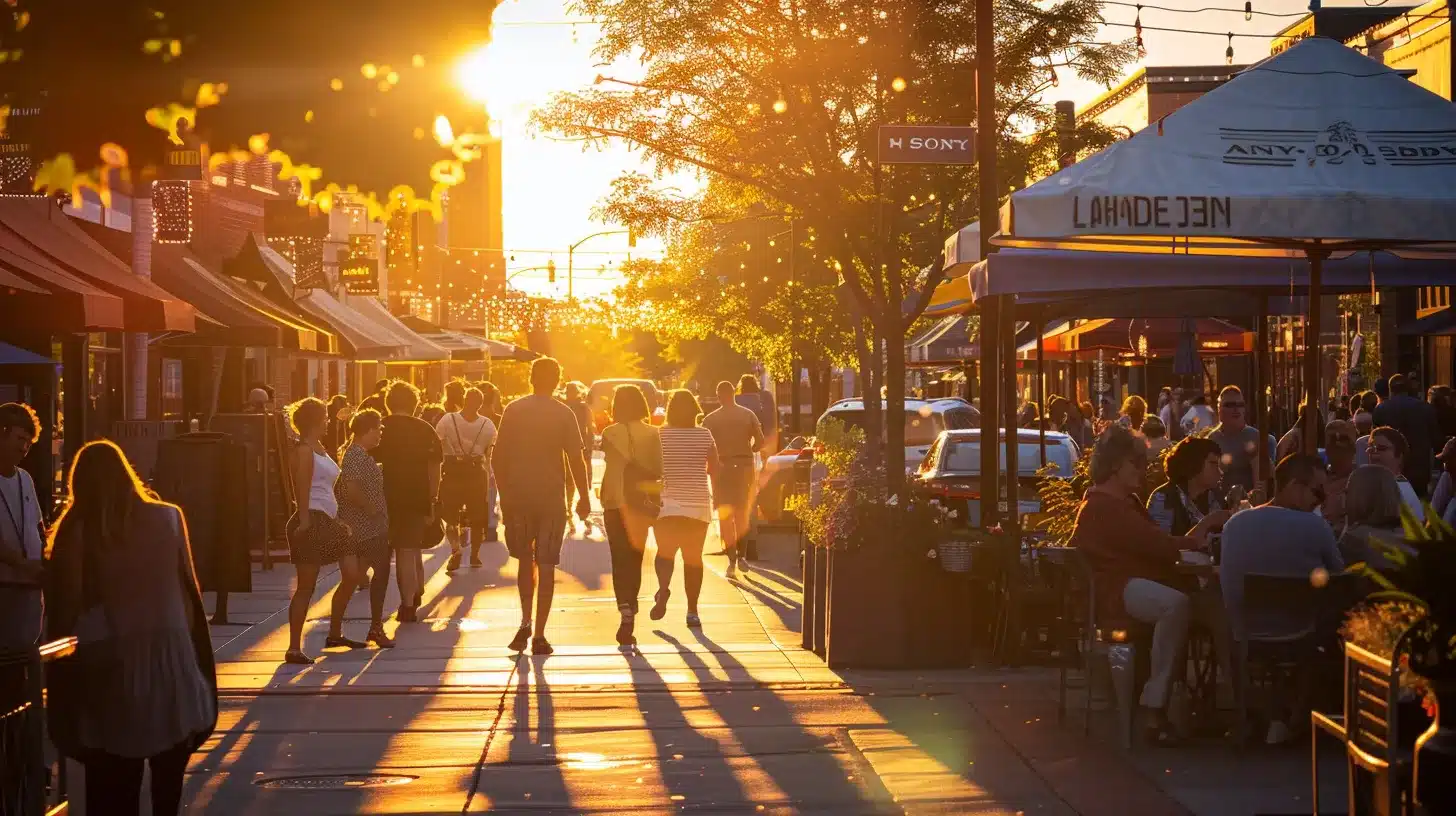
[
  {"x": 776, "y": 479},
  {"x": 599, "y": 399},
  {"x": 924, "y": 421},
  {"x": 952, "y": 470}
]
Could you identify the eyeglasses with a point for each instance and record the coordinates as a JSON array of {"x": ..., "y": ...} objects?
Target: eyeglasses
[{"x": 1379, "y": 448}]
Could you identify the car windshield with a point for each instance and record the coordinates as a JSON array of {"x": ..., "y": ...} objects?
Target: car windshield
[
  {"x": 919, "y": 430},
  {"x": 964, "y": 456}
]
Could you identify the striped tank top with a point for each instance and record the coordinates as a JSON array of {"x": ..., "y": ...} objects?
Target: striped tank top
[{"x": 685, "y": 490}]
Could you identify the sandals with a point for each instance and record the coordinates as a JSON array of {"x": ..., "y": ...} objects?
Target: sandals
[
  {"x": 659, "y": 604},
  {"x": 518, "y": 643},
  {"x": 624, "y": 629},
  {"x": 694, "y": 622},
  {"x": 539, "y": 646},
  {"x": 334, "y": 641},
  {"x": 297, "y": 658},
  {"x": 378, "y": 638}
]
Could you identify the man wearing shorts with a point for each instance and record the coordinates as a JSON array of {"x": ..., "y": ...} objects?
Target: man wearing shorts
[
  {"x": 738, "y": 436},
  {"x": 409, "y": 454},
  {"x": 466, "y": 436},
  {"x": 537, "y": 443}
]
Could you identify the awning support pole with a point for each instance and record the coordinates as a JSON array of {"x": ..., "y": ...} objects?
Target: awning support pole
[
  {"x": 1261, "y": 414},
  {"x": 1011, "y": 521},
  {"x": 1312, "y": 351},
  {"x": 1037, "y": 327}
]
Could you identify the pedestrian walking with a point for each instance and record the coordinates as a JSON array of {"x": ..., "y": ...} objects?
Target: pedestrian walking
[
  {"x": 140, "y": 692},
  {"x": 337, "y": 432},
  {"x": 316, "y": 537},
  {"x": 738, "y": 436},
  {"x": 576, "y": 400},
  {"x": 689, "y": 460},
  {"x": 363, "y": 509},
  {"x": 455, "y": 396},
  {"x": 537, "y": 443},
  {"x": 409, "y": 454},
  {"x": 631, "y": 497},
  {"x": 752, "y": 396},
  {"x": 466, "y": 437}
]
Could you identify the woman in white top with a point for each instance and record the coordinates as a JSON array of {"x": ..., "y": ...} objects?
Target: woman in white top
[
  {"x": 466, "y": 437},
  {"x": 689, "y": 458},
  {"x": 316, "y": 537},
  {"x": 141, "y": 689}
]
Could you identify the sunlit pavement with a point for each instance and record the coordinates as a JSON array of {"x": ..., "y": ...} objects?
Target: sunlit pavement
[{"x": 734, "y": 718}]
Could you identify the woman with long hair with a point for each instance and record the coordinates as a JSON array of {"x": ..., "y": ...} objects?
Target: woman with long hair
[
  {"x": 689, "y": 458},
  {"x": 631, "y": 491},
  {"x": 1194, "y": 468},
  {"x": 141, "y": 689},
  {"x": 316, "y": 537},
  {"x": 1372, "y": 511},
  {"x": 362, "y": 509}
]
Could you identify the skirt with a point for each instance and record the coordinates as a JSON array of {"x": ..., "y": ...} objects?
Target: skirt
[{"x": 324, "y": 542}]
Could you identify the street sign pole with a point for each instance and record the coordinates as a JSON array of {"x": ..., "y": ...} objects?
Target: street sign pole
[{"x": 995, "y": 307}]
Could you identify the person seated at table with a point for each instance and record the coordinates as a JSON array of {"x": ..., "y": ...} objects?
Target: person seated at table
[
  {"x": 1339, "y": 465},
  {"x": 1135, "y": 564},
  {"x": 1194, "y": 468},
  {"x": 1387, "y": 449},
  {"x": 1284, "y": 537},
  {"x": 1156, "y": 434},
  {"x": 1372, "y": 511}
]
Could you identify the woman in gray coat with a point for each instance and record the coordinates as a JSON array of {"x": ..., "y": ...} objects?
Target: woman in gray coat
[{"x": 141, "y": 688}]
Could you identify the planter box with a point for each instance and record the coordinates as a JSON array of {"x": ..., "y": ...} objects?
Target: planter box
[
  {"x": 820, "y": 623},
  {"x": 890, "y": 610}
]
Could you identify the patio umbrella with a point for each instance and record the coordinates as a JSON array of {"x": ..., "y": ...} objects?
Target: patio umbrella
[
  {"x": 1185, "y": 354},
  {"x": 1315, "y": 150}
]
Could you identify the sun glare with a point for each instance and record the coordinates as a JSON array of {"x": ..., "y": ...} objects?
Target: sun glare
[{"x": 477, "y": 76}]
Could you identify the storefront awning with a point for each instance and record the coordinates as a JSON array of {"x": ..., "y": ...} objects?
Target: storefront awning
[
  {"x": 41, "y": 297},
  {"x": 268, "y": 277},
  {"x": 37, "y": 231},
  {"x": 419, "y": 349},
  {"x": 363, "y": 339},
  {"x": 467, "y": 347},
  {"x": 1442, "y": 323},
  {"x": 240, "y": 315}
]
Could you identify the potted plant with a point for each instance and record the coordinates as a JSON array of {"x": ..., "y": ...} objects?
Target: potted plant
[
  {"x": 884, "y": 586},
  {"x": 1421, "y": 575}
]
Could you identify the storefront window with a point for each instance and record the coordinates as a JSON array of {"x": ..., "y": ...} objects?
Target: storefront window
[
  {"x": 171, "y": 389},
  {"x": 103, "y": 377}
]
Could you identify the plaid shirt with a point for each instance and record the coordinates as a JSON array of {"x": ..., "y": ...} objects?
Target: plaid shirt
[{"x": 361, "y": 495}]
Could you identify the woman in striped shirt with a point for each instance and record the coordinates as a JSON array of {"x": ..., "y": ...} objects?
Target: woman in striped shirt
[{"x": 689, "y": 457}]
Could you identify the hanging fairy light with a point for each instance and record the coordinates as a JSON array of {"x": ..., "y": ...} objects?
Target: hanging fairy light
[
  {"x": 1229, "y": 53},
  {"x": 1248, "y": 10},
  {"x": 171, "y": 212}
]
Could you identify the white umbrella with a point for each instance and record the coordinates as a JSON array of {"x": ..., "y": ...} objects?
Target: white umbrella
[
  {"x": 1317, "y": 143},
  {"x": 1318, "y": 148}
]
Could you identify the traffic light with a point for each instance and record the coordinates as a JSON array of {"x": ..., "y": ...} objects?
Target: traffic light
[{"x": 550, "y": 271}]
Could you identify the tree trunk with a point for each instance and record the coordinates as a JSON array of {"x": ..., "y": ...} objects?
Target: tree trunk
[
  {"x": 820, "y": 378},
  {"x": 867, "y": 349},
  {"x": 894, "y": 343}
]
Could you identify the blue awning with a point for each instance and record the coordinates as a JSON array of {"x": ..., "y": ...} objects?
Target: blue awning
[{"x": 11, "y": 355}]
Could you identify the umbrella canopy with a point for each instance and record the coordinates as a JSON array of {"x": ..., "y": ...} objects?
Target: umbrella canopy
[{"x": 1318, "y": 142}]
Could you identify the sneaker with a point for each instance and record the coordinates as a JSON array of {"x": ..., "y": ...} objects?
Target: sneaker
[
  {"x": 454, "y": 562},
  {"x": 518, "y": 643},
  {"x": 539, "y": 646},
  {"x": 659, "y": 604},
  {"x": 694, "y": 622},
  {"x": 334, "y": 641},
  {"x": 378, "y": 638},
  {"x": 297, "y": 658},
  {"x": 1278, "y": 734}
]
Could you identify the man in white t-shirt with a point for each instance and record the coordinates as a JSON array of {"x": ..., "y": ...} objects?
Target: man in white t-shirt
[
  {"x": 21, "y": 542},
  {"x": 466, "y": 437}
]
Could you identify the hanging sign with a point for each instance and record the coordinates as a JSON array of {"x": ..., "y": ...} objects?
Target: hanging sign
[
  {"x": 360, "y": 271},
  {"x": 927, "y": 144},
  {"x": 183, "y": 164}
]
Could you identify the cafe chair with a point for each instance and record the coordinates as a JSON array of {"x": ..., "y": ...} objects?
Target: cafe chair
[{"x": 1286, "y": 620}]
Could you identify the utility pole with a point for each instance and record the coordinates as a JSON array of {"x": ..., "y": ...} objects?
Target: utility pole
[
  {"x": 571, "y": 251},
  {"x": 991, "y": 312}
]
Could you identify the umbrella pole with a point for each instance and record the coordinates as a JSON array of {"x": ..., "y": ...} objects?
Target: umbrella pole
[
  {"x": 1036, "y": 327},
  {"x": 1312, "y": 352},
  {"x": 1010, "y": 520},
  {"x": 1261, "y": 377}
]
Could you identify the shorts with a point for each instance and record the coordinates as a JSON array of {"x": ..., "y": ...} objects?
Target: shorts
[
  {"x": 324, "y": 542},
  {"x": 536, "y": 534},
  {"x": 733, "y": 486},
  {"x": 464, "y": 499},
  {"x": 410, "y": 533}
]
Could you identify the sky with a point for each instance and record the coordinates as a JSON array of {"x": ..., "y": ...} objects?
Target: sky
[{"x": 550, "y": 187}]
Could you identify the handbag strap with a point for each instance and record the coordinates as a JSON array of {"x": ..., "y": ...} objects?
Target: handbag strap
[{"x": 460, "y": 442}]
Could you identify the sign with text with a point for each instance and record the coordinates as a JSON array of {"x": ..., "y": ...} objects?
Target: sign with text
[
  {"x": 927, "y": 144},
  {"x": 360, "y": 271}
]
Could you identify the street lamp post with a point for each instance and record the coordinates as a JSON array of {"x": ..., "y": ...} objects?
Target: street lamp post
[{"x": 570, "y": 251}]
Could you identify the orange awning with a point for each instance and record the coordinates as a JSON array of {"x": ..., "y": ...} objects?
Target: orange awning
[
  {"x": 35, "y": 230},
  {"x": 43, "y": 298}
]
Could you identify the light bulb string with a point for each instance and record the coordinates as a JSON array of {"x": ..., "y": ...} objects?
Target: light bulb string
[
  {"x": 1247, "y": 10},
  {"x": 1137, "y": 25}
]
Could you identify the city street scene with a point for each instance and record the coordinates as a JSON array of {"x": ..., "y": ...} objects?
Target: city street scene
[{"x": 1024, "y": 407}]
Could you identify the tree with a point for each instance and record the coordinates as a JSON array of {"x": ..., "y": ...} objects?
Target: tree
[{"x": 780, "y": 102}]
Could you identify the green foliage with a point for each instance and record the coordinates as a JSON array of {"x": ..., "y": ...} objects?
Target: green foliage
[
  {"x": 837, "y": 446},
  {"x": 1061, "y": 496}
]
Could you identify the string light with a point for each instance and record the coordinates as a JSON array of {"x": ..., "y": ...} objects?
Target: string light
[
  {"x": 1248, "y": 10},
  {"x": 1229, "y": 53},
  {"x": 1137, "y": 25},
  {"x": 171, "y": 212}
]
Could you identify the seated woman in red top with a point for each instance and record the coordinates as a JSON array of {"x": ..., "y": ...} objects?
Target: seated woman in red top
[{"x": 1135, "y": 562}]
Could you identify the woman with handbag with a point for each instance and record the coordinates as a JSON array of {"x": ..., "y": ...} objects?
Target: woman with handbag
[
  {"x": 631, "y": 497},
  {"x": 466, "y": 437},
  {"x": 141, "y": 689},
  {"x": 316, "y": 537}
]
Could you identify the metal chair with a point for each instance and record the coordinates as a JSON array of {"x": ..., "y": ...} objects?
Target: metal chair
[{"x": 1286, "y": 619}]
